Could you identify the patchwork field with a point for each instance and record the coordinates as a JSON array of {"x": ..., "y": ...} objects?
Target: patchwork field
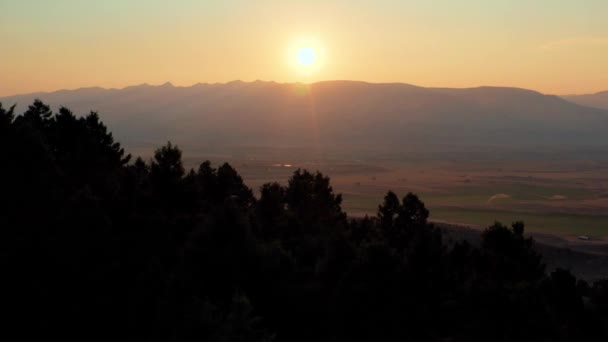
[{"x": 567, "y": 197}]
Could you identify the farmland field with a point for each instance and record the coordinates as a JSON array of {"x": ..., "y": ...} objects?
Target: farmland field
[{"x": 564, "y": 196}]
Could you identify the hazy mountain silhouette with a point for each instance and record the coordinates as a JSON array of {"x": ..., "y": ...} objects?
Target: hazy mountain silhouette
[
  {"x": 333, "y": 113},
  {"x": 597, "y": 100}
]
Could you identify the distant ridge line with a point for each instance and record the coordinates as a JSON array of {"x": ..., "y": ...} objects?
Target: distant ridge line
[{"x": 198, "y": 84}]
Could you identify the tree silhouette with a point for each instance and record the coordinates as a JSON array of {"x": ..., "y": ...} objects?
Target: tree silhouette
[
  {"x": 166, "y": 168},
  {"x": 270, "y": 211},
  {"x": 95, "y": 246},
  {"x": 6, "y": 117},
  {"x": 310, "y": 199},
  {"x": 388, "y": 211},
  {"x": 38, "y": 115}
]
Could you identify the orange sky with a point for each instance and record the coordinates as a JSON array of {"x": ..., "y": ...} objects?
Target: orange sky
[{"x": 554, "y": 46}]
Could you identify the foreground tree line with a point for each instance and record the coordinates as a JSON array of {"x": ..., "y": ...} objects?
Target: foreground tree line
[{"x": 98, "y": 247}]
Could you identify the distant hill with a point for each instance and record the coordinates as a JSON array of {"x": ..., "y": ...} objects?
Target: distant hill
[
  {"x": 334, "y": 113},
  {"x": 597, "y": 100}
]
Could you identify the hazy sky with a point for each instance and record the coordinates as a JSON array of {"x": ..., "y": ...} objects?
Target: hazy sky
[{"x": 554, "y": 46}]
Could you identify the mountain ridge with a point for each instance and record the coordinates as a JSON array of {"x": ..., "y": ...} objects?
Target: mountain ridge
[
  {"x": 332, "y": 113},
  {"x": 238, "y": 81},
  {"x": 596, "y": 100}
]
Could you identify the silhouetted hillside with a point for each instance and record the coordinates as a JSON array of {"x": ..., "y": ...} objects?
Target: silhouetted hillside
[
  {"x": 597, "y": 100},
  {"x": 335, "y": 113},
  {"x": 97, "y": 247}
]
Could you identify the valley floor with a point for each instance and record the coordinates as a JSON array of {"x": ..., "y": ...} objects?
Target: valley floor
[{"x": 558, "y": 194}]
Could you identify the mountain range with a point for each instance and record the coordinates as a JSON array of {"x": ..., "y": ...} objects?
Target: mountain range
[
  {"x": 597, "y": 100},
  {"x": 337, "y": 113}
]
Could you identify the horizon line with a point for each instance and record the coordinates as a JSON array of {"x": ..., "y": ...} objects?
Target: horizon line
[{"x": 170, "y": 84}]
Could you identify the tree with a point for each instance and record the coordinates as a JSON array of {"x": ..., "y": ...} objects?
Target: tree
[
  {"x": 404, "y": 225},
  {"x": 509, "y": 257},
  {"x": 387, "y": 212},
  {"x": 166, "y": 173},
  {"x": 270, "y": 211},
  {"x": 6, "y": 118},
  {"x": 364, "y": 230},
  {"x": 231, "y": 186},
  {"x": 38, "y": 115},
  {"x": 166, "y": 167},
  {"x": 146, "y": 251},
  {"x": 310, "y": 198},
  {"x": 412, "y": 211}
]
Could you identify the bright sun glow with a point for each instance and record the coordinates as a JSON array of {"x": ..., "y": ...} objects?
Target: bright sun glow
[{"x": 306, "y": 56}]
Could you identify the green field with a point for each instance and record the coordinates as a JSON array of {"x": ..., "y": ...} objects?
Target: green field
[
  {"x": 558, "y": 224},
  {"x": 550, "y": 223}
]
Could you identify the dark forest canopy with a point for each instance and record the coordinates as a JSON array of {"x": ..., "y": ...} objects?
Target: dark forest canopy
[{"x": 99, "y": 246}]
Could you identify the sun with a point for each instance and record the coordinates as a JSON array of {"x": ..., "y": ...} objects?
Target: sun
[{"x": 306, "y": 56}]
